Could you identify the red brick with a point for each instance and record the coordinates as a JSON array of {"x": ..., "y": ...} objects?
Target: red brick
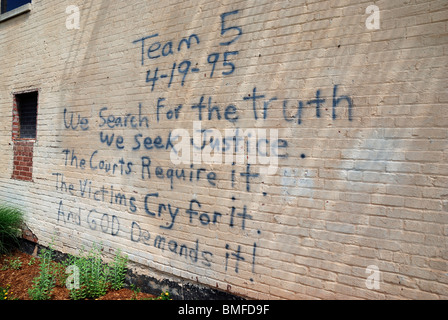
[{"x": 23, "y": 160}]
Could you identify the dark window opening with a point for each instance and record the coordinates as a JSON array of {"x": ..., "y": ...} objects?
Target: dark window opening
[
  {"x": 8, "y": 5},
  {"x": 27, "y": 113}
]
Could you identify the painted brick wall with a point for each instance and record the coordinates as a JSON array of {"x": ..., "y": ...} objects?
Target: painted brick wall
[{"x": 356, "y": 205}]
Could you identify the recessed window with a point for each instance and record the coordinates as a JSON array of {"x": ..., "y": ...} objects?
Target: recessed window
[
  {"x": 24, "y": 132},
  {"x": 26, "y": 104},
  {"x": 9, "y": 5}
]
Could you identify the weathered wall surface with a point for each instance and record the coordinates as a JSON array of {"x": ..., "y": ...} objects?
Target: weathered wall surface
[{"x": 361, "y": 123}]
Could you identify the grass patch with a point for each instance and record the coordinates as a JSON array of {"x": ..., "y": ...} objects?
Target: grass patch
[{"x": 11, "y": 220}]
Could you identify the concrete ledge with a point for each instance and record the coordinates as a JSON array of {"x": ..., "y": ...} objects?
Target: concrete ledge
[
  {"x": 179, "y": 290},
  {"x": 17, "y": 11}
]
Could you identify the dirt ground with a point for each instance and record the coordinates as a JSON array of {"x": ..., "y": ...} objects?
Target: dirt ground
[{"x": 19, "y": 281}]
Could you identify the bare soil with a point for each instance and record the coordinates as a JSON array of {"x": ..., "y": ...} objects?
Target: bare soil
[{"x": 19, "y": 281}]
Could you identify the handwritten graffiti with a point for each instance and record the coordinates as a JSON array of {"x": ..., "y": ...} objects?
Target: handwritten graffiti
[
  {"x": 126, "y": 145},
  {"x": 155, "y": 50},
  {"x": 152, "y": 50},
  {"x": 194, "y": 252},
  {"x": 108, "y": 194}
]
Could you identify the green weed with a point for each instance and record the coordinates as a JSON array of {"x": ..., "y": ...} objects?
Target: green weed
[
  {"x": 14, "y": 264},
  {"x": 45, "y": 282},
  {"x": 118, "y": 270},
  {"x": 96, "y": 277},
  {"x": 135, "y": 291}
]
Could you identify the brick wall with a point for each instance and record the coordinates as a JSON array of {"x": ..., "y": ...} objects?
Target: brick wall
[
  {"x": 23, "y": 160},
  {"x": 347, "y": 196}
]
